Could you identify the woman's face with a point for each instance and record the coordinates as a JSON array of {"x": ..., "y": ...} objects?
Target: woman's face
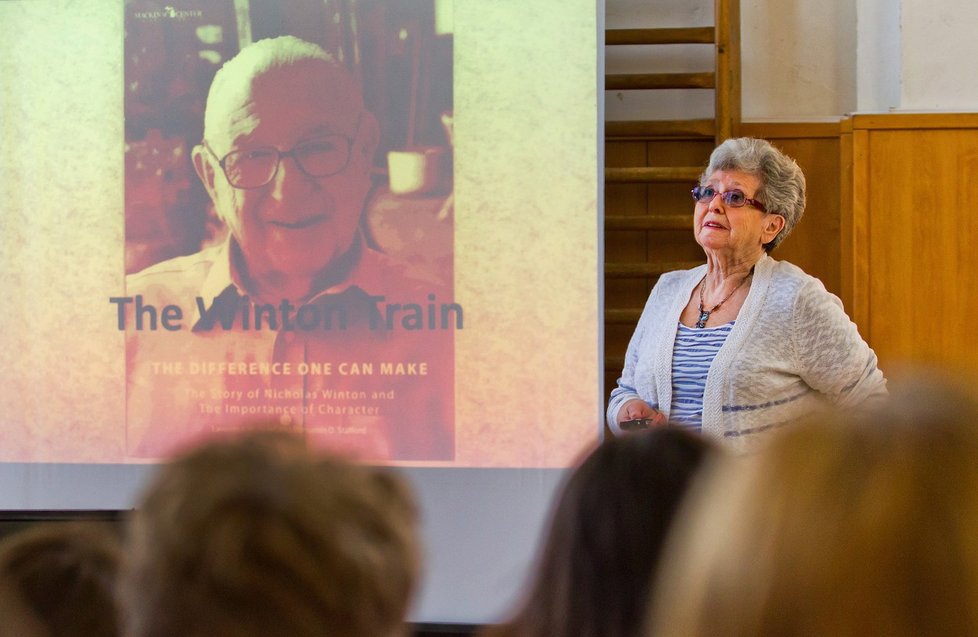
[{"x": 732, "y": 231}]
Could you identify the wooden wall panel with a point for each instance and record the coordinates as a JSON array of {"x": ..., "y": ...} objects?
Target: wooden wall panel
[
  {"x": 627, "y": 200},
  {"x": 623, "y": 246},
  {"x": 637, "y": 246},
  {"x": 917, "y": 276}
]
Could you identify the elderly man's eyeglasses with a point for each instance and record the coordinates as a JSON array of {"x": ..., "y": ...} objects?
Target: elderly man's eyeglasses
[
  {"x": 255, "y": 167},
  {"x": 733, "y": 198}
]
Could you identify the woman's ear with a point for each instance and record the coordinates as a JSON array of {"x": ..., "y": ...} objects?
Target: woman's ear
[{"x": 773, "y": 225}]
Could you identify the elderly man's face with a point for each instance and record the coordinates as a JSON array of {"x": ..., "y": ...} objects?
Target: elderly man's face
[{"x": 296, "y": 224}]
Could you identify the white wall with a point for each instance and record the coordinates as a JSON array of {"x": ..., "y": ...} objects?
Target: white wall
[
  {"x": 798, "y": 58},
  {"x": 810, "y": 59},
  {"x": 939, "y": 50},
  {"x": 878, "y": 55}
]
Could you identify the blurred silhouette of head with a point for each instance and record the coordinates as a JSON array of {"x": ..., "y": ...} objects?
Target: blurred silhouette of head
[
  {"x": 58, "y": 579},
  {"x": 848, "y": 525},
  {"x": 605, "y": 536},
  {"x": 256, "y": 535}
]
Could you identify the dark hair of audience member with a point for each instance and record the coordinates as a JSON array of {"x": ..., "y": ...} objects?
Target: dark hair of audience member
[
  {"x": 57, "y": 579},
  {"x": 256, "y": 535},
  {"x": 605, "y": 536},
  {"x": 849, "y": 525}
]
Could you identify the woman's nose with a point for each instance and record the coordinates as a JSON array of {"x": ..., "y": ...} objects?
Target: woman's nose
[{"x": 716, "y": 204}]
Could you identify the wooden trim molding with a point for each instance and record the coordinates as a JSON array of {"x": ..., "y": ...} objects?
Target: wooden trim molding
[
  {"x": 896, "y": 121},
  {"x": 791, "y": 130},
  {"x": 845, "y": 218},
  {"x": 859, "y": 228}
]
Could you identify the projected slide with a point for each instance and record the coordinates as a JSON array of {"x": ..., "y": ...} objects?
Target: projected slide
[{"x": 380, "y": 229}]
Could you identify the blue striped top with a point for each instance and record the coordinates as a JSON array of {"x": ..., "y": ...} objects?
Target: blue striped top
[{"x": 692, "y": 356}]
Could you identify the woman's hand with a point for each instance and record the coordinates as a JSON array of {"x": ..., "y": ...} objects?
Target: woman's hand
[{"x": 637, "y": 408}]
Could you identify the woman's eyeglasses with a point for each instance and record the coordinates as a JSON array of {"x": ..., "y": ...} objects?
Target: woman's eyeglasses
[{"x": 733, "y": 198}]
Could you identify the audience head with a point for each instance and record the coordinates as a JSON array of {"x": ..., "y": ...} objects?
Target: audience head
[
  {"x": 852, "y": 525},
  {"x": 58, "y": 580},
  {"x": 605, "y": 535},
  {"x": 257, "y": 535}
]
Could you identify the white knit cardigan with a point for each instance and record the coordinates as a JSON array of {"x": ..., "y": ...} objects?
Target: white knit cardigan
[{"x": 792, "y": 348}]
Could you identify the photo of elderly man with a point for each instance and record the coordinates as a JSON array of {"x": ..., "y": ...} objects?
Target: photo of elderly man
[{"x": 296, "y": 314}]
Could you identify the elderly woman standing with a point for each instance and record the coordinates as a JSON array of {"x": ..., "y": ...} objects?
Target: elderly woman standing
[{"x": 745, "y": 343}]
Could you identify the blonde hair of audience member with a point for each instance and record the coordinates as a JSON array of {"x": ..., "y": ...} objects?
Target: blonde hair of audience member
[
  {"x": 258, "y": 536},
  {"x": 605, "y": 537},
  {"x": 58, "y": 580},
  {"x": 854, "y": 525}
]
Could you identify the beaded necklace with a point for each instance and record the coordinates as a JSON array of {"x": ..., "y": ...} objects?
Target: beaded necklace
[{"x": 705, "y": 314}]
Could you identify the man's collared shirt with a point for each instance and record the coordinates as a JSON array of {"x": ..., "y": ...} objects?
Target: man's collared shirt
[{"x": 365, "y": 365}]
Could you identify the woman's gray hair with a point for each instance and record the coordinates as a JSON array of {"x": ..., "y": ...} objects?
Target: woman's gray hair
[{"x": 782, "y": 189}]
